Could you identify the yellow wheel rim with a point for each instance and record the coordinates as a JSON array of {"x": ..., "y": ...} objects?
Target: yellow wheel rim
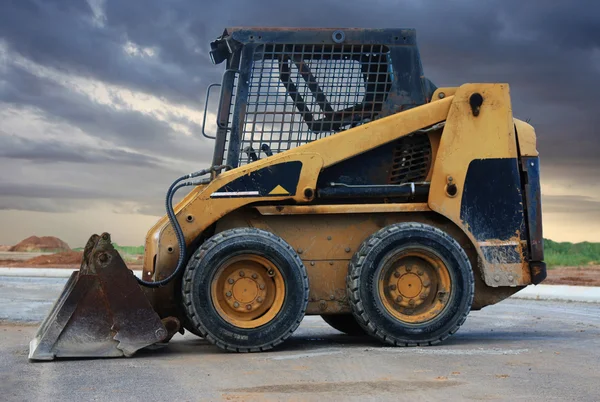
[
  {"x": 248, "y": 291},
  {"x": 414, "y": 286}
]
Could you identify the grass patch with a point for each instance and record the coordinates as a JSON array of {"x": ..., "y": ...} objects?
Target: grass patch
[
  {"x": 571, "y": 254},
  {"x": 131, "y": 250}
]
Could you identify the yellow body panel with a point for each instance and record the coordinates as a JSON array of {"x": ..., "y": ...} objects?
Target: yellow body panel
[{"x": 465, "y": 138}]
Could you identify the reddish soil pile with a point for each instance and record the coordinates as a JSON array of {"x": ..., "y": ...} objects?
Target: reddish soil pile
[
  {"x": 45, "y": 243},
  {"x": 55, "y": 260},
  {"x": 578, "y": 276},
  {"x": 69, "y": 259}
]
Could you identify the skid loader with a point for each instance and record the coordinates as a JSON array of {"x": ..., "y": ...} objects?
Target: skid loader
[{"x": 343, "y": 184}]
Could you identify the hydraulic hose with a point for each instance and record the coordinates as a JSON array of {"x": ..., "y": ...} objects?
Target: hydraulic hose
[{"x": 176, "y": 185}]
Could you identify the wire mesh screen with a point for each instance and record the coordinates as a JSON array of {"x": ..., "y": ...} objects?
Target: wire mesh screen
[{"x": 300, "y": 93}]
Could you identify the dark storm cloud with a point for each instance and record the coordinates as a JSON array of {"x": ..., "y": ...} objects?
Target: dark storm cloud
[
  {"x": 64, "y": 35},
  {"x": 123, "y": 127},
  {"x": 549, "y": 52},
  {"x": 50, "y": 191},
  {"x": 51, "y": 150},
  {"x": 541, "y": 46}
]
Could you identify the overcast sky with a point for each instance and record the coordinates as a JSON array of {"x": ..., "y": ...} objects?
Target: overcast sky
[{"x": 101, "y": 100}]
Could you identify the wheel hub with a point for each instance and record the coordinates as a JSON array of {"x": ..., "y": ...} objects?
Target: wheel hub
[
  {"x": 407, "y": 285},
  {"x": 248, "y": 291},
  {"x": 414, "y": 287},
  {"x": 245, "y": 289}
]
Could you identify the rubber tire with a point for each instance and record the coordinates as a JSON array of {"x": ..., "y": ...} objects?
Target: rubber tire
[
  {"x": 196, "y": 289},
  {"x": 365, "y": 300},
  {"x": 345, "y": 323}
]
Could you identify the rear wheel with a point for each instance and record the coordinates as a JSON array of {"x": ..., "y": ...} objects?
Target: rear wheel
[
  {"x": 345, "y": 323},
  {"x": 410, "y": 284},
  {"x": 245, "y": 290}
]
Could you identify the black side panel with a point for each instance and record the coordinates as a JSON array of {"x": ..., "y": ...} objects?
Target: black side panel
[
  {"x": 405, "y": 160},
  {"x": 372, "y": 167},
  {"x": 533, "y": 195},
  {"x": 492, "y": 205},
  {"x": 275, "y": 180}
]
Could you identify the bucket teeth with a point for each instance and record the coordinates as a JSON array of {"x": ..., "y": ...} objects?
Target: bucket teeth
[{"x": 102, "y": 311}]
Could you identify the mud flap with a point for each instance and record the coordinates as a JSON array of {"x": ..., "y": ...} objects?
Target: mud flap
[{"x": 102, "y": 311}]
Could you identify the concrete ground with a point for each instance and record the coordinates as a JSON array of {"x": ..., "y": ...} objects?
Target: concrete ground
[{"x": 516, "y": 350}]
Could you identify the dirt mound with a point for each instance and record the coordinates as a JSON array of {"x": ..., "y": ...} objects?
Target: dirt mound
[
  {"x": 45, "y": 243},
  {"x": 56, "y": 260},
  {"x": 578, "y": 276}
]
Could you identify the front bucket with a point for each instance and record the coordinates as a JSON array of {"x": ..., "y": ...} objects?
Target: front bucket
[{"x": 102, "y": 311}]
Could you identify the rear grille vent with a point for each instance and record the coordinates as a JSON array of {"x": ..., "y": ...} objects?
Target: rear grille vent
[{"x": 412, "y": 159}]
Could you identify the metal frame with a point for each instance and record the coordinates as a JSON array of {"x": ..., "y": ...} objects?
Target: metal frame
[{"x": 282, "y": 97}]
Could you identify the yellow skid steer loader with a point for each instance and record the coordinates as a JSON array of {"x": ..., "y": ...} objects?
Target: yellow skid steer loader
[{"x": 343, "y": 184}]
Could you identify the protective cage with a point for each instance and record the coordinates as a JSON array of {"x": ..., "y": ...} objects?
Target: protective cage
[{"x": 285, "y": 87}]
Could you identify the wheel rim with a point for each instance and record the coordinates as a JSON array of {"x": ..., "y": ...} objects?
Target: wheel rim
[
  {"x": 414, "y": 286},
  {"x": 248, "y": 291}
]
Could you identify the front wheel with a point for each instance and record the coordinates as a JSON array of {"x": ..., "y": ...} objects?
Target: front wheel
[
  {"x": 245, "y": 290},
  {"x": 410, "y": 284}
]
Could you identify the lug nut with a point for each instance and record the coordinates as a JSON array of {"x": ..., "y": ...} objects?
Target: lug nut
[
  {"x": 399, "y": 299},
  {"x": 423, "y": 296},
  {"x": 230, "y": 280},
  {"x": 426, "y": 284},
  {"x": 228, "y": 294},
  {"x": 420, "y": 272},
  {"x": 408, "y": 269},
  {"x": 259, "y": 299},
  {"x": 392, "y": 287},
  {"x": 411, "y": 302},
  {"x": 236, "y": 304},
  {"x": 254, "y": 276},
  {"x": 397, "y": 274},
  {"x": 261, "y": 287},
  {"x": 248, "y": 307},
  {"x": 242, "y": 273}
]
